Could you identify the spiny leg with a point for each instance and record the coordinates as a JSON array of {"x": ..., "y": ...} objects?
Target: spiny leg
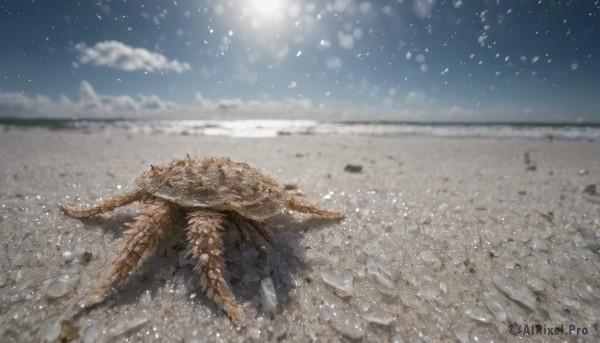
[
  {"x": 204, "y": 236},
  {"x": 108, "y": 204},
  {"x": 247, "y": 225},
  {"x": 242, "y": 227},
  {"x": 157, "y": 218},
  {"x": 301, "y": 205},
  {"x": 262, "y": 230}
]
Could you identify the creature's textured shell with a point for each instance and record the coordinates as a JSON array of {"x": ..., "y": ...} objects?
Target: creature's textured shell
[{"x": 217, "y": 183}]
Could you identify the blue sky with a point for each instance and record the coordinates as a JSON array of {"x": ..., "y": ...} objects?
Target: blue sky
[{"x": 411, "y": 60}]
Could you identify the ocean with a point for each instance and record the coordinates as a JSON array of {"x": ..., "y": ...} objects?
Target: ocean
[{"x": 272, "y": 128}]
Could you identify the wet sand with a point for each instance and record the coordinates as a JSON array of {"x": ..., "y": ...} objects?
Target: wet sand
[{"x": 444, "y": 239}]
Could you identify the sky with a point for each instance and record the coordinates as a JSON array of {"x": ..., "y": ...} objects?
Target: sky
[{"x": 399, "y": 60}]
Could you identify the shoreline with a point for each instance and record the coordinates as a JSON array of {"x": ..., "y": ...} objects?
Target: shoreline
[
  {"x": 469, "y": 233},
  {"x": 262, "y": 128}
]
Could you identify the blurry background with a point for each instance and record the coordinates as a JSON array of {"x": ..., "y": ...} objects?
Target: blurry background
[{"x": 410, "y": 60}]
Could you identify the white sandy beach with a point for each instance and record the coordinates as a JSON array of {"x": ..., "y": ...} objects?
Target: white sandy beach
[{"x": 444, "y": 240}]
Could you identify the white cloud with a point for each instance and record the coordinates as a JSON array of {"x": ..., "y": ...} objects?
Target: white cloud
[
  {"x": 459, "y": 113},
  {"x": 90, "y": 104},
  {"x": 17, "y": 105},
  {"x": 121, "y": 56}
]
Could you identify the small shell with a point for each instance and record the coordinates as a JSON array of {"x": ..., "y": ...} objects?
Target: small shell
[{"x": 216, "y": 183}]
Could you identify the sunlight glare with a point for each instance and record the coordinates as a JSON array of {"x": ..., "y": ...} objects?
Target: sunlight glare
[{"x": 266, "y": 8}]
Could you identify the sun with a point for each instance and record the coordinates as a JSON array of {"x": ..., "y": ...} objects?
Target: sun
[
  {"x": 265, "y": 15},
  {"x": 267, "y": 8}
]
